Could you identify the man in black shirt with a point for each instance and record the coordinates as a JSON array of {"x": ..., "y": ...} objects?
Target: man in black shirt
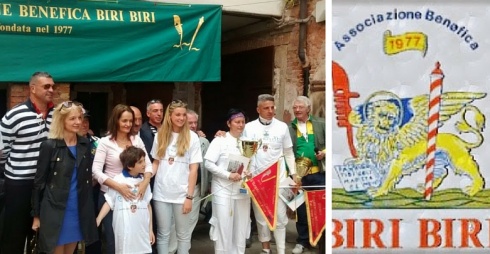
[{"x": 154, "y": 111}]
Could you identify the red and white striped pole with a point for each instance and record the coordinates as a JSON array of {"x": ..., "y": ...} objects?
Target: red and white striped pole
[{"x": 436, "y": 78}]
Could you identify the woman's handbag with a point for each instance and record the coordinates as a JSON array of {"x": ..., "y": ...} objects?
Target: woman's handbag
[{"x": 33, "y": 243}]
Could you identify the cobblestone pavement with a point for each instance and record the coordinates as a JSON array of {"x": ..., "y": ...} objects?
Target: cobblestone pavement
[{"x": 202, "y": 244}]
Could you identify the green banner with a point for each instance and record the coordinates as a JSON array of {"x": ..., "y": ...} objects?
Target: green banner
[{"x": 95, "y": 41}]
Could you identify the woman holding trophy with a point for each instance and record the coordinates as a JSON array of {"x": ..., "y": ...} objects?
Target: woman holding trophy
[{"x": 230, "y": 222}]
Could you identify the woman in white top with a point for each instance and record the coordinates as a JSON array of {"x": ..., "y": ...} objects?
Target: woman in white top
[
  {"x": 230, "y": 223},
  {"x": 107, "y": 164},
  {"x": 177, "y": 153}
]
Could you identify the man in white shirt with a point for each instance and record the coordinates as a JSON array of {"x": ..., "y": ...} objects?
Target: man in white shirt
[{"x": 276, "y": 146}]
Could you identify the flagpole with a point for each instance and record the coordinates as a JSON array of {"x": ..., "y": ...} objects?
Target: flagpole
[
  {"x": 280, "y": 187},
  {"x": 302, "y": 187},
  {"x": 212, "y": 193}
]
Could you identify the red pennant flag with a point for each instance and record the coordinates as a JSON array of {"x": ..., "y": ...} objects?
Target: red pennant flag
[
  {"x": 263, "y": 190},
  {"x": 315, "y": 208}
]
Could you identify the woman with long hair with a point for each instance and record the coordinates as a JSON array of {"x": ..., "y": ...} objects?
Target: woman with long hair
[
  {"x": 107, "y": 164},
  {"x": 177, "y": 154},
  {"x": 62, "y": 196},
  {"x": 230, "y": 223}
]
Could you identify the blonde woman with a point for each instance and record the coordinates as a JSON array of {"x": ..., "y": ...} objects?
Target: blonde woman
[
  {"x": 62, "y": 196},
  {"x": 177, "y": 153}
]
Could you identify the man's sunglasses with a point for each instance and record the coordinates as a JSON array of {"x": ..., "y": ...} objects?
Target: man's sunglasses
[{"x": 47, "y": 86}]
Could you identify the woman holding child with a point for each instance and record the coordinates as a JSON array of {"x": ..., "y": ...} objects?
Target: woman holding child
[
  {"x": 177, "y": 153},
  {"x": 132, "y": 220},
  {"x": 107, "y": 164},
  {"x": 62, "y": 196}
]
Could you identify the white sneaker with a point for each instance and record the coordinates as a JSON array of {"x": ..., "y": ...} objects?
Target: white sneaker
[{"x": 298, "y": 249}]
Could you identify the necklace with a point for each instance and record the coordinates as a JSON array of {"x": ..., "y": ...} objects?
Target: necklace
[{"x": 123, "y": 144}]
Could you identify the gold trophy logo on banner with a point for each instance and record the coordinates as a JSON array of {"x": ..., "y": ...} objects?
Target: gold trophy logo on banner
[{"x": 248, "y": 148}]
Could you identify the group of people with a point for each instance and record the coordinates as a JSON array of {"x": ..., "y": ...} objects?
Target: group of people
[{"x": 150, "y": 176}]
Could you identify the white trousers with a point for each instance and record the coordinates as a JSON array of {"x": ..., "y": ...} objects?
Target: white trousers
[
  {"x": 164, "y": 214},
  {"x": 279, "y": 233},
  {"x": 230, "y": 224},
  {"x": 193, "y": 217}
]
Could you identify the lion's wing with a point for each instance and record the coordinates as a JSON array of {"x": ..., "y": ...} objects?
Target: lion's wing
[
  {"x": 416, "y": 129},
  {"x": 451, "y": 103}
]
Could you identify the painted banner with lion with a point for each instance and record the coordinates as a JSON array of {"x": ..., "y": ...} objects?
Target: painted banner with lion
[{"x": 410, "y": 167}]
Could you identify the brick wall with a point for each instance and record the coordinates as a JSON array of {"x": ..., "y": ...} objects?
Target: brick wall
[
  {"x": 286, "y": 41},
  {"x": 315, "y": 47},
  {"x": 18, "y": 93}
]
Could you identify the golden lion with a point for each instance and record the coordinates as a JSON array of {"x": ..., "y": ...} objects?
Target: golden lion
[{"x": 401, "y": 150}]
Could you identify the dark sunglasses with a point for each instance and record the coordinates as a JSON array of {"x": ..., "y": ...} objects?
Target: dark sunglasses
[
  {"x": 47, "y": 86},
  {"x": 153, "y": 102},
  {"x": 68, "y": 104}
]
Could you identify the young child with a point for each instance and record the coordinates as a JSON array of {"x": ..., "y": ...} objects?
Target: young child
[{"x": 132, "y": 219}]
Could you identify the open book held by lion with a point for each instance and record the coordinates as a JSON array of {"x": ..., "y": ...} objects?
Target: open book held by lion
[{"x": 392, "y": 137}]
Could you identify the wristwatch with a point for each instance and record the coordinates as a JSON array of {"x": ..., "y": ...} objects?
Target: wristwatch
[{"x": 189, "y": 197}]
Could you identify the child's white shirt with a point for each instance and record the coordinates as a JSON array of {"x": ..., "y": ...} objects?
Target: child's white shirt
[{"x": 131, "y": 224}]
